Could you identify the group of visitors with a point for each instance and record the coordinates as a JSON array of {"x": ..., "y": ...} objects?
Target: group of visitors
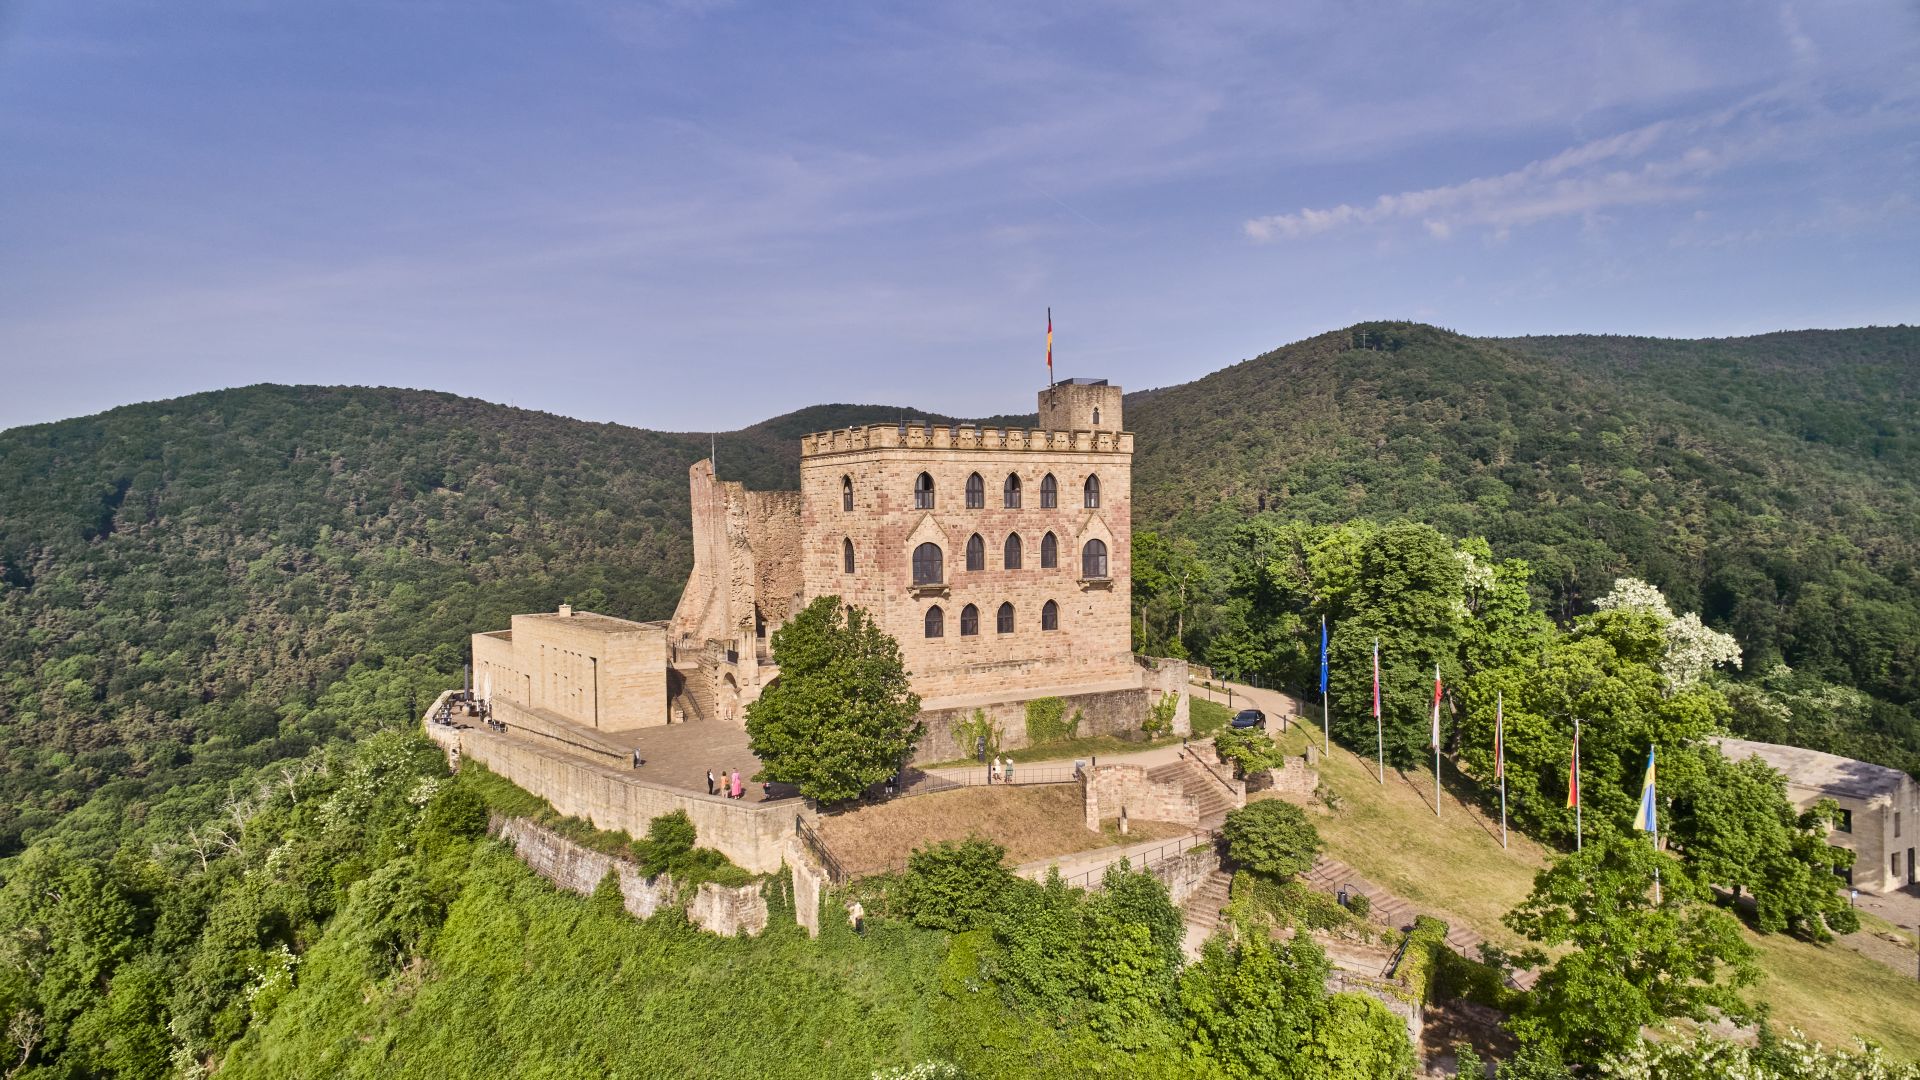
[
  {"x": 1000, "y": 771},
  {"x": 726, "y": 784}
]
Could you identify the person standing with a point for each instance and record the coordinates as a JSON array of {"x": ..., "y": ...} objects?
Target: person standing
[
  {"x": 1006, "y": 773},
  {"x": 709, "y": 781},
  {"x": 739, "y": 791}
]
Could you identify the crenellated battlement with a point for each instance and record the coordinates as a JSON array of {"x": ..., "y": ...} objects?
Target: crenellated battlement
[{"x": 921, "y": 436}]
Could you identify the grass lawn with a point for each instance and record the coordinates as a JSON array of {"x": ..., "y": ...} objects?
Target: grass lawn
[
  {"x": 1389, "y": 834},
  {"x": 1833, "y": 993},
  {"x": 1030, "y": 822}
]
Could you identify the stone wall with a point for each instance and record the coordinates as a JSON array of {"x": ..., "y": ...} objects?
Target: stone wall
[
  {"x": 717, "y": 908},
  {"x": 753, "y": 835},
  {"x": 1105, "y": 790},
  {"x": 1295, "y": 778},
  {"x": 1106, "y": 712},
  {"x": 1093, "y": 640},
  {"x": 809, "y": 886}
]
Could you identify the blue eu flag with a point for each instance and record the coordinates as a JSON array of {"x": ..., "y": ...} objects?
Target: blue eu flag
[{"x": 1323, "y": 656}]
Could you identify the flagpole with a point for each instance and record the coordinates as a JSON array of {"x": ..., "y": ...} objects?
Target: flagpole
[
  {"x": 1436, "y": 740},
  {"x": 1500, "y": 758},
  {"x": 1326, "y": 719},
  {"x": 1379, "y": 740},
  {"x": 1577, "y": 837}
]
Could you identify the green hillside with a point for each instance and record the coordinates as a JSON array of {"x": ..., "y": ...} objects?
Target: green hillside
[
  {"x": 1765, "y": 482},
  {"x": 180, "y": 580}
]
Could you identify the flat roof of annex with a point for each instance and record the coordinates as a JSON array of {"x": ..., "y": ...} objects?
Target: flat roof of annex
[{"x": 922, "y": 436}]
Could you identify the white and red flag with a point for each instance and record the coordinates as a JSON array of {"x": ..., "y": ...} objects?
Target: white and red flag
[{"x": 1436, "y": 706}]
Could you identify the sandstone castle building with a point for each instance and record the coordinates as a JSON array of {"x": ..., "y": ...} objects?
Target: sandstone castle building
[{"x": 999, "y": 559}]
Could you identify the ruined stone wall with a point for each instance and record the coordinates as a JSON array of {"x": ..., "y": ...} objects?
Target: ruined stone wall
[
  {"x": 751, "y": 834},
  {"x": 1105, "y": 790},
  {"x": 722, "y": 910},
  {"x": 773, "y": 534},
  {"x": 1107, "y": 712},
  {"x": 1295, "y": 778},
  {"x": 1093, "y": 642}
]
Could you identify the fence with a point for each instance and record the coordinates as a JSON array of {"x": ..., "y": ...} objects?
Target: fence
[
  {"x": 978, "y": 776},
  {"x": 1159, "y": 861}
]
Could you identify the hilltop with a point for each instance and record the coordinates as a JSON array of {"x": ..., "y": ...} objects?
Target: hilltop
[{"x": 180, "y": 581}]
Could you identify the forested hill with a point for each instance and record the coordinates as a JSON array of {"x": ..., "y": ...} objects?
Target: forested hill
[
  {"x": 179, "y": 580},
  {"x": 1768, "y": 482}
]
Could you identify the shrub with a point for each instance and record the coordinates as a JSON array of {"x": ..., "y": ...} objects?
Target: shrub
[
  {"x": 1843, "y": 921},
  {"x": 1273, "y": 838},
  {"x": 1420, "y": 957},
  {"x": 1047, "y": 721},
  {"x": 1359, "y": 905},
  {"x": 1159, "y": 719},
  {"x": 954, "y": 886},
  {"x": 1251, "y": 750},
  {"x": 669, "y": 838}
]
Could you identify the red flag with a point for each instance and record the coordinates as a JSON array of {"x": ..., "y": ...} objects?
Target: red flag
[
  {"x": 1376, "y": 679},
  {"x": 1436, "y": 707},
  {"x": 1573, "y": 775}
]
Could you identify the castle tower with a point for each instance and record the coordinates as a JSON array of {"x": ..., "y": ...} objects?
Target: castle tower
[
  {"x": 999, "y": 558},
  {"x": 1081, "y": 405}
]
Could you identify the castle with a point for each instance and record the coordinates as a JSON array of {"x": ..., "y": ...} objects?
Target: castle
[{"x": 998, "y": 558}]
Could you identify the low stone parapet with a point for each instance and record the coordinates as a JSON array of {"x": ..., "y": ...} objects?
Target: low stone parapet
[
  {"x": 1106, "y": 790},
  {"x": 717, "y": 908}
]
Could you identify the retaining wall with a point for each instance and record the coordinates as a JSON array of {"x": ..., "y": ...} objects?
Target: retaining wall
[{"x": 721, "y": 909}]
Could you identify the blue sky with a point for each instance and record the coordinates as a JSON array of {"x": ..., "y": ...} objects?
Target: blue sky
[{"x": 694, "y": 214}]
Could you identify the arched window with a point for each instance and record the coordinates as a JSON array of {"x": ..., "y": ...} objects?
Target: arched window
[
  {"x": 846, "y": 493},
  {"x": 1050, "y": 616},
  {"x": 1049, "y": 492},
  {"x": 976, "y": 492},
  {"x": 936, "y": 621},
  {"x": 846, "y": 555},
  {"x": 1004, "y": 623},
  {"x": 1093, "y": 560},
  {"x": 1011, "y": 558},
  {"x": 923, "y": 492},
  {"x": 926, "y": 564},
  {"x": 969, "y": 621},
  {"x": 1096, "y": 418},
  {"x": 1049, "y": 552},
  {"x": 1093, "y": 493},
  {"x": 976, "y": 553},
  {"x": 1010, "y": 492}
]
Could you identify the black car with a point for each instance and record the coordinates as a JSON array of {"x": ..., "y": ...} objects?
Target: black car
[{"x": 1249, "y": 718}]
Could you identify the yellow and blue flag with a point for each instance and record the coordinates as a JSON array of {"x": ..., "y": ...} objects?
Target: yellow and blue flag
[{"x": 1646, "y": 821}]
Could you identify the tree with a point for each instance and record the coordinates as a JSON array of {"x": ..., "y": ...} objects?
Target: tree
[
  {"x": 1251, "y": 1006},
  {"x": 1251, "y": 749},
  {"x": 1634, "y": 962},
  {"x": 842, "y": 715},
  {"x": 955, "y": 885},
  {"x": 1735, "y": 827},
  {"x": 1272, "y": 837}
]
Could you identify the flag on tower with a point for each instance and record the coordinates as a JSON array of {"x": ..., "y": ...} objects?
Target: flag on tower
[
  {"x": 1573, "y": 774},
  {"x": 1499, "y": 740},
  {"x": 1323, "y": 656},
  {"x": 1646, "y": 821},
  {"x": 1049, "y": 346},
  {"x": 1436, "y": 706}
]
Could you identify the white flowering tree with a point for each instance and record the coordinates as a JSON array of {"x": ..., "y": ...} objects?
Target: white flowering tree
[{"x": 1693, "y": 648}]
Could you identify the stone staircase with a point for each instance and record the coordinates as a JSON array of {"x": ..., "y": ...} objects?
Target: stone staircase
[
  {"x": 1330, "y": 875},
  {"x": 1204, "y": 904},
  {"x": 1209, "y": 795}
]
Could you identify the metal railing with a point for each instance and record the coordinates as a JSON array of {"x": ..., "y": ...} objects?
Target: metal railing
[
  {"x": 1020, "y": 775},
  {"x": 818, "y": 848},
  {"x": 1155, "y": 860}
]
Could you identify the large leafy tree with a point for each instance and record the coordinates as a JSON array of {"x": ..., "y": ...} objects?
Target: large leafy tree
[
  {"x": 1272, "y": 837},
  {"x": 1734, "y": 824},
  {"x": 842, "y": 715},
  {"x": 1633, "y": 961}
]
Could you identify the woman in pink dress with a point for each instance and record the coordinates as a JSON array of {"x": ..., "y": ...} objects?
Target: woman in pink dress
[{"x": 735, "y": 790}]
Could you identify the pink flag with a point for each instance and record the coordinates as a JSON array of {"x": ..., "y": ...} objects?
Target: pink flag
[
  {"x": 1376, "y": 678},
  {"x": 1436, "y": 706}
]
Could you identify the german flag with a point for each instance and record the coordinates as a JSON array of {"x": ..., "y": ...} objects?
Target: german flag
[{"x": 1049, "y": 346}]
